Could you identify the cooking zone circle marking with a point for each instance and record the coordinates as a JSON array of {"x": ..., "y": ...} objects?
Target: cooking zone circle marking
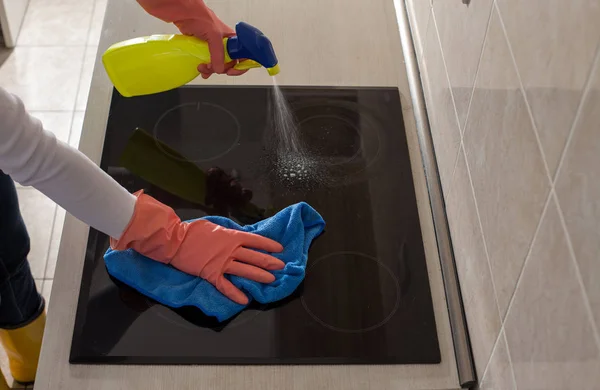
[
  {"x": 322, "y": 293},
  {"x": 214, "y": 138}
]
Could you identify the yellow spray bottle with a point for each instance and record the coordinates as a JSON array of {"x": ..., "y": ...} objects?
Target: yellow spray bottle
[{"x": 158, "y": 63}]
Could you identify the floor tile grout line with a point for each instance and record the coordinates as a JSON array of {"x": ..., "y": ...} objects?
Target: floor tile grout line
[
  {"x": 50, "y": 242},
  {"x": 463, "y": 131},
  {"x": 451, "y": 188},
  {"x": 500, "y": 339},
  {"x": 484, "y": 241},
  {"x": 432, "y": 20},
  {"x": 551, "y": 187},
  {"x": 585, "y": 297},
  {"x": 525, "y": 99},
  {"x": 81, "y": 72},
  {"x": 510, "y": 362},
  {"x": 87, "y": 38},
  {"x": 551, "y": 193},
  {"x": 487, "y": 366},
  {"x": 460, "y": 129},
  {"x": 455, "y": 164},
  {"x": 553, "y": 178},
  {"x": 520, "y": 277},
  {"x": 439, "y": 44},
  {"x": 586, "y": 89},
  {"x": 424, "y": 46},
  {"x": 462, "y": 146}
]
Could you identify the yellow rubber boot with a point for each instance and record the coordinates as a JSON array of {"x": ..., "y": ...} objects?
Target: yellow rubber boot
[
  {"x": 3, "y": 384},
  {"x": 23, "y": 346}
]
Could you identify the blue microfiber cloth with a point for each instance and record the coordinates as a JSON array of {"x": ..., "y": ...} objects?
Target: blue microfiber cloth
[{"x": 294, "y": 227}]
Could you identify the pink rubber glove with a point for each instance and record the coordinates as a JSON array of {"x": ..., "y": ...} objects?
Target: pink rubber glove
[
  {"x": 193, "y": 17},
  {"x": 199, "y": 248}
]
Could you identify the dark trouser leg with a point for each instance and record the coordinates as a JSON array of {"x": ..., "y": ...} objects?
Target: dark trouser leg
[{"x": 20, "y": 302}]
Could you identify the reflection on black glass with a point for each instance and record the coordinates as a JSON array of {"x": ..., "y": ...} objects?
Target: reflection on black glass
[
  {"x": 215, "y": 191},
  {"x": 196, "y": 317}
]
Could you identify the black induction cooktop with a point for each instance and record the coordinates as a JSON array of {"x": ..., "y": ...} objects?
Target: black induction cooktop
[{"x": 215, "y": 150}]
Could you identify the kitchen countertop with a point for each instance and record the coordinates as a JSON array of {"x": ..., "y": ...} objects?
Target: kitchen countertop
[{"x": 323, "y": 43}]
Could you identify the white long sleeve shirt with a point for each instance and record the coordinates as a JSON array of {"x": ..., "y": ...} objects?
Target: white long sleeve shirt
[{"x": 34, "y": 157}]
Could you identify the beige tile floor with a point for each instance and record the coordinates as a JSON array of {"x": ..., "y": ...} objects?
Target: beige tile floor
[{"x": 51, "y": 70}]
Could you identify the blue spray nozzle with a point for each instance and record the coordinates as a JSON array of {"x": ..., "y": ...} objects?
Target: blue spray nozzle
[{"x": 250, "y": 43}]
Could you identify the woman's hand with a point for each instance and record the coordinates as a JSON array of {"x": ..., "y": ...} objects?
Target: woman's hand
[
  {"x": 199, "y": 248},
  {"x": 208, "y": 27},
  {"x": 194, "y": 18}
]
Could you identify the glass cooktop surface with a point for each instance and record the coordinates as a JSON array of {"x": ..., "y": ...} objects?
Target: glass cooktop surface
[{"x": 217, "y": 151}]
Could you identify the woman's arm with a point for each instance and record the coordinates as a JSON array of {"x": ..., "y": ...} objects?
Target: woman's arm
[{"x": 34, "y": 157}]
